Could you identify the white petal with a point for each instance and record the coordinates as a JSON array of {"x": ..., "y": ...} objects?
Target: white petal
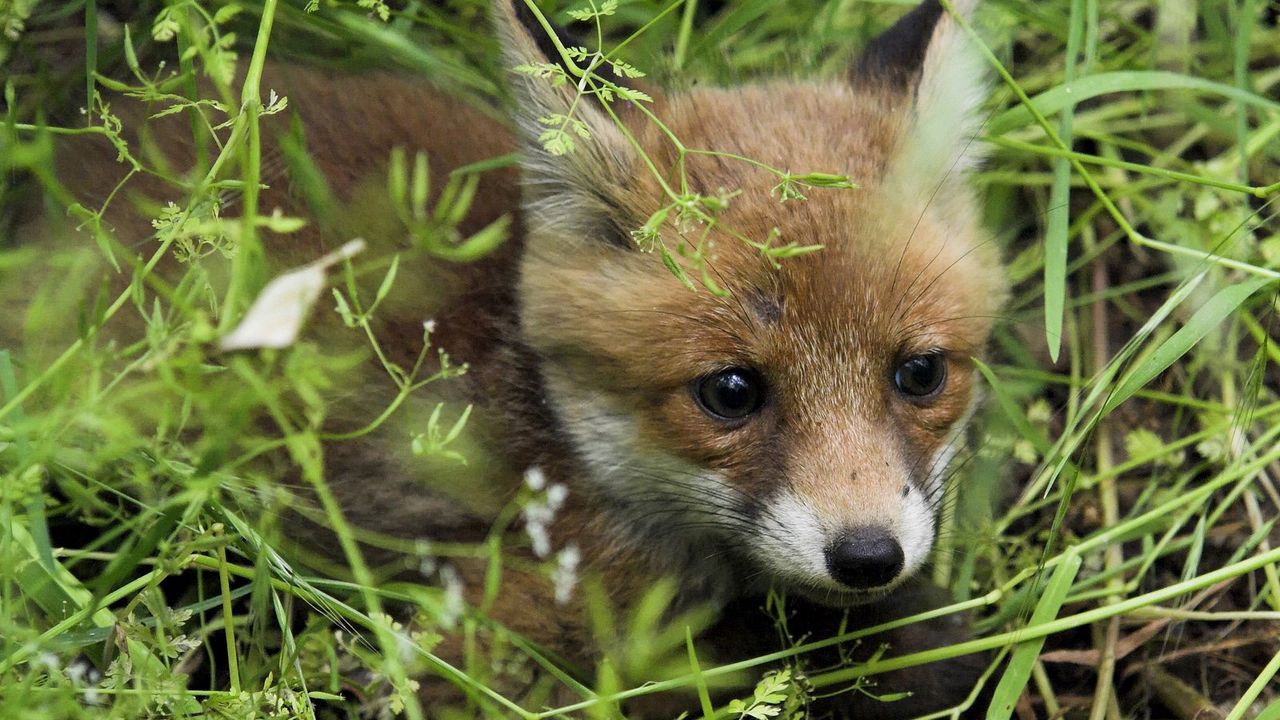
[{"x": 276, "y": 316}]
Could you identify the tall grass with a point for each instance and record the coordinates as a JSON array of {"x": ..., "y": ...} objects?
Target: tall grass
[{"x": 1113, "y": 531}]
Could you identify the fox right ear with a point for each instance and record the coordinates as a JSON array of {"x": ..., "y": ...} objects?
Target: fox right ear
[
  {"x": 928, "y": 56},
  {"x": 897, "y": 56},
  {"x": 575, "y": 157}
]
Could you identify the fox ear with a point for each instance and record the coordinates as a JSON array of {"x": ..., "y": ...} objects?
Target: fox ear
[
  {"x": 929, "y": 56},
  {"x": 572, "y": 164}
]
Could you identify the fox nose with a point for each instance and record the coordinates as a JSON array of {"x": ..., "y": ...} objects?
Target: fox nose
[{"x": 865, "y": 558}]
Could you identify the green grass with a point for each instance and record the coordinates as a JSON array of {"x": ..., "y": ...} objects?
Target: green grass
[{"x": 1117, "y": 514}]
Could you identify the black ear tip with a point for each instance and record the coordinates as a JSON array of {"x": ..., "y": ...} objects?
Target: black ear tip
[{"x": 897, "y": 56}]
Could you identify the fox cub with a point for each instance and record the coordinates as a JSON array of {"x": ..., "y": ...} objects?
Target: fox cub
[{"x": 791, "y": 434}]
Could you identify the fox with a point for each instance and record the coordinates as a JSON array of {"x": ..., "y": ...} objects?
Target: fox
[{"x": 791, "y": 433}]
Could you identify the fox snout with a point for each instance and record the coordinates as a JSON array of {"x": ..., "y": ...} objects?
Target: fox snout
[
  {"x": 864, "y": 558},
  {"x": 850, "y": 523}
]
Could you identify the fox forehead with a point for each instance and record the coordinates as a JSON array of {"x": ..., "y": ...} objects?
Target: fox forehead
[
  {"x": 834, "y": 319},
  {"x": 901, "y": 267},
  {"x": 796, "y": 127}
]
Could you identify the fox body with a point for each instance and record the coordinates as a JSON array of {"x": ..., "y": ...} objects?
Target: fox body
[{"x": 792, "y": 433}]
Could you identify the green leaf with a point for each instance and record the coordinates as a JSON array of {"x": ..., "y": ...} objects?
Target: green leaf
[
  {"x": 344, "y": 310},
  {"x": 608, "y": 7},
  {"x": 1270, "y": 712},
  {"x": 1059, "y": 211},
  {"x": 1208, "y": 317},
  {"x": 556, "y": 141},
  {"x": 1057, "y": 223},
  {"x": 421, "y": 188},
  {"x": 458, "y": 426},
  {"x": 1051, "y": 101},
  {"x": 625, "y": 70},
  {"x": 281, "y": 224},
  {"x": 476, "y": 246},
  {"x": 538, "y": 70},
  {"x": 824, "y": 180},
  {"x": 387, "y": 281},
  {"x": 1015, "y": 677},
  {"x": 675, "y": 268},
  {"x": 704, "y": 697},
  {"x": 397, "y": 177},
  {"x": 225, "y": 13},
  {"x": 1011, "y": 410},
  {"x": 631, "y": 94},
  {"x": 791, "y": 250},
  {"x": 170, "y": 110},
  {"x": 130, "y": 56},
  {"x": 164, "y": 28}
]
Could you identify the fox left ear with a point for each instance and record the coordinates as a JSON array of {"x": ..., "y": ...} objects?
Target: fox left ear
[
  {"x": 574, "y": 154},
  {"x": 930, "y": 58}
]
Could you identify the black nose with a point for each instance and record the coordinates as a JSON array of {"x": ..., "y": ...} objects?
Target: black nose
[{"x": 865, "y": 558}]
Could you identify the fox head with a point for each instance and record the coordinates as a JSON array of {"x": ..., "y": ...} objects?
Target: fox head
[{"x": 799, "y": 427}]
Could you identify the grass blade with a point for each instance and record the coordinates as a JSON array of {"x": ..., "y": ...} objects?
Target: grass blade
[
  {"x": 1025, "y": 654},
  {"x": 1215, "y": 311},
  {"x": 1062, "y": 96},
  {"x": 1058, "y": 215}
]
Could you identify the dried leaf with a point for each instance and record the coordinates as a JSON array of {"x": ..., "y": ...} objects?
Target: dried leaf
[{"x": 276, "y": 316}]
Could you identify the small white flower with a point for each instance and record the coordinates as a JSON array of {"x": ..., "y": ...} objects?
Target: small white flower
[
  {"x": 537, "y": 519},
  {"x": 429, "y": 325},
  {"x": 77, "y": 672},
  {"x": 535, "y": 478},
  {"x": 427, "y": 566},
  {"x": 453, "y": 601},
  {"x": 565, "y": 576},
  {"x": 538, "y": 513},
  {"x": 541, "y": 539},
  {"x": 556, "y": 495},
  {"x": 405, "y": 646},
  {"x": 541, "y": 511},
  {"x": 50, "y": 661},
  {"x": 82, "y": 674}
]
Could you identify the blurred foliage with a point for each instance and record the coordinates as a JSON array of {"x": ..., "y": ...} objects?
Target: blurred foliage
[{"x": 142, "y": 568}]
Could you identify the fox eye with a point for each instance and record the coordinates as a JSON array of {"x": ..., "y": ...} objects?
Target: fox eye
[
  {"x": 730, "y": 394},
  {"x": 920, "y": 376}
]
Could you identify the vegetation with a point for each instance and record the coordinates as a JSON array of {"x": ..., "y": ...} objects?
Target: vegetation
[{"x": 1113, "y": 532}]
